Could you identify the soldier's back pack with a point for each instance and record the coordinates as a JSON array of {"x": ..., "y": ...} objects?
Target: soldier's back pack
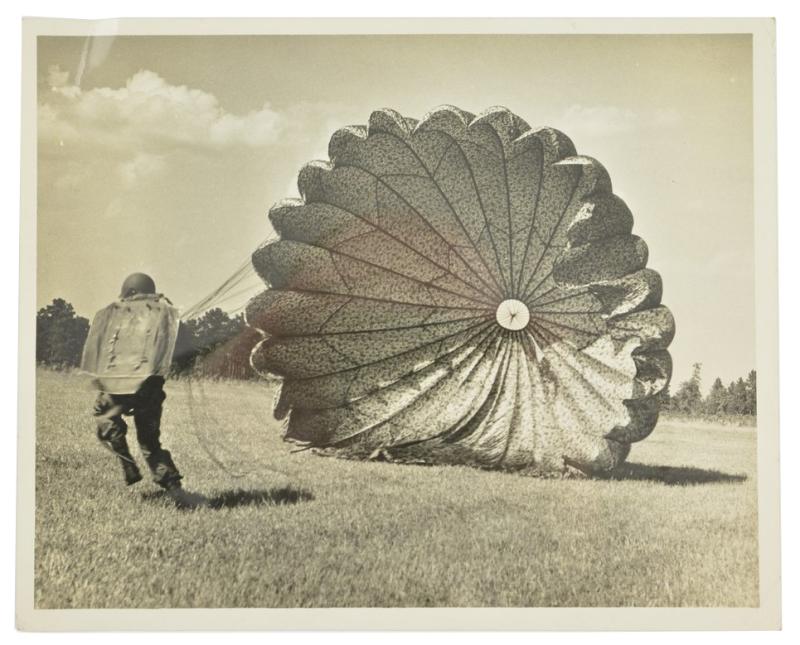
[{"x": 129, "y": 341}]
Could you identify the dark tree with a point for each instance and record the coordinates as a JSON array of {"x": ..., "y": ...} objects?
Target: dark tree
[
  {"x": 688, "y": 399},
  {"x": 231, "y": 359},
  {"x": 752, "y": 393},
  {"x": 730, "y": 399},
  {"x": 215, "y": 345},
  {"x": 60, "y": 334},
  {"x": 665, "y": 398},
  {"x": 212, "y": 329},
  {"x": 738, "y": 399},
  {"x": 738, "y": 392},
  {"x": 717, "y": 398}
]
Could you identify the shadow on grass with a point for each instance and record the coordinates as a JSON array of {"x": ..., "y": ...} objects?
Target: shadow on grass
[
  {"x": 232, "y": 498},
  {"x": 671, "y": 475},
  {"x": 271, "y": 497}
]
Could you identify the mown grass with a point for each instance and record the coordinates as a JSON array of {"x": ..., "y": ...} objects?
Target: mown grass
[{"x": 676, "y": 526}]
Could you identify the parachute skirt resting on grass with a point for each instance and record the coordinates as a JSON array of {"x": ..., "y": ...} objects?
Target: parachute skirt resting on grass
[{"x": 461, "y": 290}]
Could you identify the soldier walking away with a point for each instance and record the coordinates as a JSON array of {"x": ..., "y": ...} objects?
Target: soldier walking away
[{"x": 129, "y": 350}]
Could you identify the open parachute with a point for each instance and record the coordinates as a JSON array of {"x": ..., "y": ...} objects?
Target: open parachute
[{"x": 461, "y": 290}]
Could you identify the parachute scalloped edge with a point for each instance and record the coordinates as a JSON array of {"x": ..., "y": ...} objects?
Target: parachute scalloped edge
[{"x": 388, "y": 274}]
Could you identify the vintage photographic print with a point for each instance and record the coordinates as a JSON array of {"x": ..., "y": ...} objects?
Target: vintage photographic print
[{"x": 334, "y": 315}]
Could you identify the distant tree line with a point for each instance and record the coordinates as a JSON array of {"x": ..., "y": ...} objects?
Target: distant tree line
[
  {"x": 738, "y": 398},
  {"x": 60, "y": 335},
  {"x": 213, "y": 345}
]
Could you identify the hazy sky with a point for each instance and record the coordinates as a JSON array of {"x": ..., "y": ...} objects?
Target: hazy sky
[{"x": 164, "y": 154}]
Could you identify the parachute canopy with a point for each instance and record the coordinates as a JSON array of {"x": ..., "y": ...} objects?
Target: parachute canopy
[{"x": 461, "y": 290}]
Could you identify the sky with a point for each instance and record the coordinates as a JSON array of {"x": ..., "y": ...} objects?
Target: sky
[{"x": 164, "y": 154}]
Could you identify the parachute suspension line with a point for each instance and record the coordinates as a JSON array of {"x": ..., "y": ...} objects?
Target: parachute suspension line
[
  {"x": 205, "y": 443},
  {"x": 235, "y": 294},
  {"x": 230, "y": 288},
  {"x": 201, "y": 415},
  {"x": 232, "y": 283},
  {"x": 195, "y": 424}
]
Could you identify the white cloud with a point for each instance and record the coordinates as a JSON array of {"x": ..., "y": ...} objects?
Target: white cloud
[
  {"x": 151, "y": 113},
  {"x": 138, "y": 125},
  {"x": 56, "y": 77},
  {"x": 142, "y": 166}
]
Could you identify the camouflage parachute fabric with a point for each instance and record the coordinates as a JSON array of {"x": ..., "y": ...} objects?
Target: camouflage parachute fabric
[{"x": 461, "y": 290}]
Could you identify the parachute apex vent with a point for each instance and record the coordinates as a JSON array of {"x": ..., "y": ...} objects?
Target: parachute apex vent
[{"x": 513, "y": 315}]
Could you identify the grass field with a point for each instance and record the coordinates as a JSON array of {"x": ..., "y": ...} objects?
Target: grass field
[{"x": 676, "y": 526}]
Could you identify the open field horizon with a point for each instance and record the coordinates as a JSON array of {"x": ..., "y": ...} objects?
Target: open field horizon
[{"x": 674, "y": 526}]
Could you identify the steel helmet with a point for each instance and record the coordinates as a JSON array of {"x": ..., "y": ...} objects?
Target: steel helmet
[{"x": 137, "y": 283}]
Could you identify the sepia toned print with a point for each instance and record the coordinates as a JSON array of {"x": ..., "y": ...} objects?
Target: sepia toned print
[{"x": 441, "y": 321}]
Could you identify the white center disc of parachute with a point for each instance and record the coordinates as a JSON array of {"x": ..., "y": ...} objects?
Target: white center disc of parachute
[{"x": 513, "y": 315}]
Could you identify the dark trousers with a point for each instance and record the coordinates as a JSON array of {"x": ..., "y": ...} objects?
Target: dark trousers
[{"x": 145, "y": 406}]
